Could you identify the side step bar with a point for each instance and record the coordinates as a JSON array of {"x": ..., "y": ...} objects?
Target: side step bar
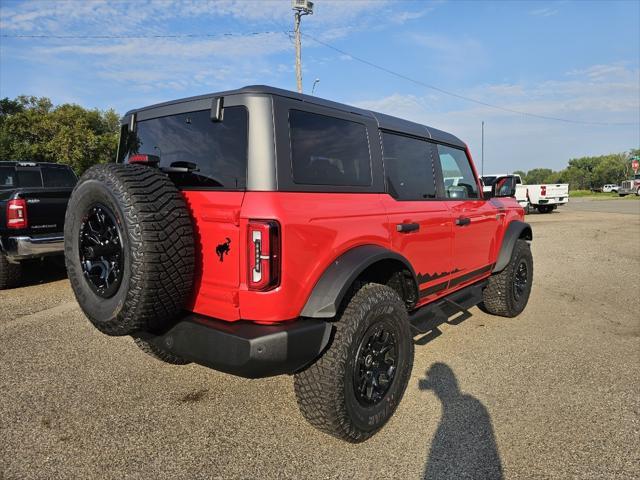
[{"x": 429, "y": 317}]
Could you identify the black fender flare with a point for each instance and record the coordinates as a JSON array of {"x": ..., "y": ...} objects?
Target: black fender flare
[
  {"x": 515, "y": 230},
  {"x": 333, "y": 285}
]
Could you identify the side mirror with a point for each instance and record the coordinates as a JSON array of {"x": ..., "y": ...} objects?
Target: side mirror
[{"x": 504, "y": 187}]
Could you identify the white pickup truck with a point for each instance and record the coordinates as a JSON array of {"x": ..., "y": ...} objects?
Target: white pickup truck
[
  {"x": 521, "y": 190},
  {"x": 548, "y": 197}
]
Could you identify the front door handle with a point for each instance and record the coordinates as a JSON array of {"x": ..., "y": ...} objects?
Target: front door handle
[
  {"x": 462, "y": 221},
  {"x": 407, "y": 227}
]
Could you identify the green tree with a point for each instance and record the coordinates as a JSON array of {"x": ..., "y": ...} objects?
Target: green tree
[
  {"x": 32, "y": 129},
  {"x": 538, "y": 175}
]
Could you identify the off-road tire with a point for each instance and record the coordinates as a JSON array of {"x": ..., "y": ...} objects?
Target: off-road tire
[
  {"x": 325, "y": 391},
  {"x": 158, "y": 353},
  {"x": 498, "y": 295},
  {"x": 10, "y": 273},
  {"x": 157, "y": 243}
]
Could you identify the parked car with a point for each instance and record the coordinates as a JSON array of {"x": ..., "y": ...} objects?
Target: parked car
[
  {"x": 631, "y": 186},
  {"x": 546, "y": 198},
  {"x": 521, "y": 189},
  {"x": 610, "y": 187},
  {"x": 33, "y": 200},
  {"x": 263, "y": 232}
]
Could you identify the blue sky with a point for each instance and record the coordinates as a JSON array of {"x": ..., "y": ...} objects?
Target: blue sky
[{"x": 574, "y": 60}]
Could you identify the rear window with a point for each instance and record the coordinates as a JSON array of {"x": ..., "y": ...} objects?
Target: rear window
[
  {"x": 328, "y": 150},
  {"x": 58, "y": 177},
  {"x": 29, "y": 177},
  {"x": 216, "y": 150},
  {"x": 7, "y": 177}
]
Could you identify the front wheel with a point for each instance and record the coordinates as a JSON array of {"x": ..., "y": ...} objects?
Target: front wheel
[
  {"x": 507, "y": 292},
  {"x": 355, "y": 387}
]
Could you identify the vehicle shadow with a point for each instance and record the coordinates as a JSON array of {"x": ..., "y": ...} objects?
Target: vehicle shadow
[
  {"x": 464, "y": 444},
  {"x": 40, "y": 271}
]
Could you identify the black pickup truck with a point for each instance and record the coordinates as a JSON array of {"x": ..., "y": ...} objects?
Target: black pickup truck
[{"x": 33, "y": 202}]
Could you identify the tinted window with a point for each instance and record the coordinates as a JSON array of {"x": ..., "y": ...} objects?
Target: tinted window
[
  {"x": 459, "y": 181},
  {"x": 58, "y": 177},
  {"x": 217, "y": 150},
  {"x": 328, "y": 151},
  {"x": 29, "y": 177},
  {"x": 7, "y": 177},
  {"x": 408, "y": 168}
]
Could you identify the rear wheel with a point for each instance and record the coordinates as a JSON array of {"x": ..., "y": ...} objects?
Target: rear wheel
[
  {"x": 507, "y": 292},
  {"x": 355, "y": 387},
  {"x": 545, "y": 208},
  {"x": 10, "y": 273},
  {"x": 129, "y": 248}
]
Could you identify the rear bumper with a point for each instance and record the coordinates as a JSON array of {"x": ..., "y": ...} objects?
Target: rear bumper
[
  {"x": 553, "y": 201},
  {"x": 243, "y": 348},
  {"x": 22, "y": 247}
]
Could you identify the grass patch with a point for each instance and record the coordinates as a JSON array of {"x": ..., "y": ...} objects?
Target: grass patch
[{"x": 599, "y": 195}]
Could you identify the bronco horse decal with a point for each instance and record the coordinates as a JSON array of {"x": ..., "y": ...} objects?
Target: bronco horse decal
[{"x": 223, "y": 249}]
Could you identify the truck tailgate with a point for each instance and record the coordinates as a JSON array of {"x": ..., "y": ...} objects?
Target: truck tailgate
[{"x": 46, "y": 208}]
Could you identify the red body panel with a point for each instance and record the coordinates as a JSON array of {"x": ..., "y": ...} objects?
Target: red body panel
[{"x": 316, "y": 228}]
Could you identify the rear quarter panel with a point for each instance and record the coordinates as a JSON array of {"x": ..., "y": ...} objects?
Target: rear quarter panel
[{"x": 316, "y": 228}]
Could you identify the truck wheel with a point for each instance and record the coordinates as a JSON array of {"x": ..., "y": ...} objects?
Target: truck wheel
[
  {"x": 10, "y": 273},
  {"x": 545, "y": 208},
  {"x": 356, "y": 386},
  {"x": 129, "y": 248},
  {"x": 507, "y": 292},
  {"x": 158, "y": 353}
]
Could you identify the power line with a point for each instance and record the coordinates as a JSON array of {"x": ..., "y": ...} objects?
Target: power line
[
  {"x": 129, "y": 36},
  {"x": 462, "y": 97},
  {"x": 339, "y": 50}
]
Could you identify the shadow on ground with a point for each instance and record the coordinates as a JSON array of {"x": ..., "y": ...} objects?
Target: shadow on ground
[
  {"x": 40, "y": 271},
  {"x": 464, "y": 444}
]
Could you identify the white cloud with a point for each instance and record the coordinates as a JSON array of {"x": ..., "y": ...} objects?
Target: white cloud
[
  {"x": 543, "y": 12},
  {"x": 515, "y": 141}
]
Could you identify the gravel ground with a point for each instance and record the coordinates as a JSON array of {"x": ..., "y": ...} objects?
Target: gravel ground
[{"x": 554, "y": 393}]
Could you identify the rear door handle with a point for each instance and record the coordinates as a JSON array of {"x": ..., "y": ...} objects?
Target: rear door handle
[
  {"x": 462, "y": 221},
  {"x": 407, "y": 227}
]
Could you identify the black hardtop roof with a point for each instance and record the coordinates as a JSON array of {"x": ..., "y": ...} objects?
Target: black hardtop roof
[{"x": 384, "y": 121}]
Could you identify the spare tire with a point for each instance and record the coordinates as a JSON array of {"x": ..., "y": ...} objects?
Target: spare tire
[{"x": 129, "y": 248}]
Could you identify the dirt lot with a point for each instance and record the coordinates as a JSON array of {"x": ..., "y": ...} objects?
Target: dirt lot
[{"x": 554, "y": 393}]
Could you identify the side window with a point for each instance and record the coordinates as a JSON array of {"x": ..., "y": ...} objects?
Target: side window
[
  {"x": 58, "y": 177},
  {"x": 408, "y": 169},
  {"x": 328, "y": 151},
  {"x": 459, "y": 181},
  {"x": 7, "y": 177}
]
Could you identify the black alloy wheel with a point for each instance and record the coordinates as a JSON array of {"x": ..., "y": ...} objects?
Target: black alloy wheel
[
  {"x": 101, "y": 251},
  {"x": 520, "y": 280},
  {"x": 375, "y": 365}
]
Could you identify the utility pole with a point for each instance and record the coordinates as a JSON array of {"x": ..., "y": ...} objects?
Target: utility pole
[
  {"x": 482, "y": 158},
  {"x": 300, "y": 8}
]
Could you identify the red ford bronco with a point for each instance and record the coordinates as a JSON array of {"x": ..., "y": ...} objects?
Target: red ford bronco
[{"x": 263, "y": 232}]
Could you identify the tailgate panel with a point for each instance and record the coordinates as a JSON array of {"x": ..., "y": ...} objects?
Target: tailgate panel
[{"x": 216, "y": 219}]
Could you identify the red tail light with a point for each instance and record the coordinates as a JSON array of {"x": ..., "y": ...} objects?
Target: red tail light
[
  {"x": 263, "y": 254},
  {"x": 144, "y": 159},
  {"x": 543, "y": 190},
  {"x": 17, "y": 214}
]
